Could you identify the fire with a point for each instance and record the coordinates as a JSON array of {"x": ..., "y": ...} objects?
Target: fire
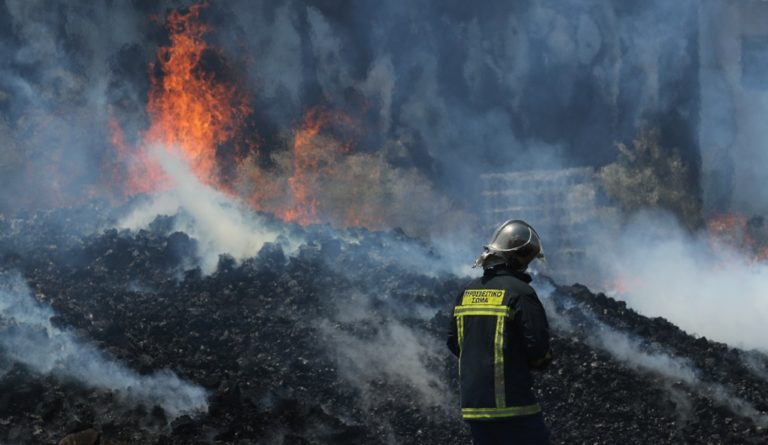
[
  {"x": 731, "y": 230},
  {"x": 197, "y": 114},
  {"x": 190, "y": 109},
  {"x": 306, "y": 162},
  {"x": 740, "y": 233},
  {"x": 626, "y": 284},
  {"x": 136, "y": 178},
  {"x": 315, "y": 156}
]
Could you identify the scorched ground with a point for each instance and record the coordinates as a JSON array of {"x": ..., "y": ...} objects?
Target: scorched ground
[{"x": 293, "y": 348}]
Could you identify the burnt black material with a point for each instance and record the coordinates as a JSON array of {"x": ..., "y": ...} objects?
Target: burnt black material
[{"x": 249, "y": 333}]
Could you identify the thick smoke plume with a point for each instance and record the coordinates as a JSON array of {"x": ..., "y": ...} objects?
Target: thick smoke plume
[
  {"x": 392, "y": 352},
  {"x": 223, "y": 224},
  {"x": 28, "y": 337},
  {"x": 220, "y": 223},
  {"x": 704, "y": 286},
  {"x": 440, "y": 92}
]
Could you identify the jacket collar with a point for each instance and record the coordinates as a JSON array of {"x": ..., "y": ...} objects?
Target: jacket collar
[{"x": 504, "y": 270}]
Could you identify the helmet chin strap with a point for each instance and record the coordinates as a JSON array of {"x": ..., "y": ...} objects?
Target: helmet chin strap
[
  {"x": 481, "y": 259},
  {"x": 489, "y": 259}
]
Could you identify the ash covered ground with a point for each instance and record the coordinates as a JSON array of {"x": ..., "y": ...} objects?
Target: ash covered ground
[
  {"x": 336, "y": 341},
  {"x": 622, "y": 130}
]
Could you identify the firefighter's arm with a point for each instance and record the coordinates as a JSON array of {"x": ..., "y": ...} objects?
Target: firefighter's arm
[
  {"x": 453, "y": 335},
  {"x": 535, "y": 330}
]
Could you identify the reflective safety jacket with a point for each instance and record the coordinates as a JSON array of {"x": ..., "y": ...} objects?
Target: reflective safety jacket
[{"x": 500, "y": 332}]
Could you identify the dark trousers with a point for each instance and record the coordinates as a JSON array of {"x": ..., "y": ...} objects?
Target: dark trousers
[{"x": 523, "y": 430}]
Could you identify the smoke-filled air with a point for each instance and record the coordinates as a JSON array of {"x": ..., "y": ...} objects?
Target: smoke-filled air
[{"x": 248, "y": 222}]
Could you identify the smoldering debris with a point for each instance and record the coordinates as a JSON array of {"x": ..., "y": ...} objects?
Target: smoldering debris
[
  {"x": 341, "y": 343},
  {"x": 701, "y": 283},
  {"x": 686, "y": 369},
  {"x": 574, "y": 318},
  {"x": 28, "y": 337},
  {"x": 220, "y": 223}
]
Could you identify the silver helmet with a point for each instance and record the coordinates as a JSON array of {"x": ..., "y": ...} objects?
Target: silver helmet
[{"x": 514, "y": 243}]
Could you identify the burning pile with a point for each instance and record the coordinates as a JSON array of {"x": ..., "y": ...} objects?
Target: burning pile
[
  {"x": 198, "y": 113},
  {"x": 250, "y": 294},
  {"x": 190, "y": 108},
  {"x": 338, "y": 343}
]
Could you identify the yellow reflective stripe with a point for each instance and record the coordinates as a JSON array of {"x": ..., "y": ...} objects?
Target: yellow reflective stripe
[
  {"x": 460, "y": 326},
  {"x": 488, "y": 306},
  {"x": 492, "y": 413},
  {"x": 480, "y": 312},
  {"x": 489, "y": 310},
  {"x": 498, "y": 363}
]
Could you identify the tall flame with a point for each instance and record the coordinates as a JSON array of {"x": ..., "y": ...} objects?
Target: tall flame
[
  {"x": 196, "y": 112},
  {"x": 190, "y": 109}
]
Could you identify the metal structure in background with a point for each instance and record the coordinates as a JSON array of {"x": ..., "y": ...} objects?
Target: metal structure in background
[{"x": 564, "y": 205}]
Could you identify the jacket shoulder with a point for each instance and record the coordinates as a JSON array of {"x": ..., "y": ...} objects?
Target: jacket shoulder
[{"x": 516, "y": 286}]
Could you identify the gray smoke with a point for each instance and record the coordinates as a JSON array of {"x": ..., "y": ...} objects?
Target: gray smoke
[
  {"x": 449, "y": 89},
  {"x": 445, "y": 91},
  {"x": 393, "y": 353},
  {"x": 59, "y": 82},
  {"x": 756, "y": 362},
  {"x": 647, "y": 357},
  {"x": 703, "y": 286},
  {"x": 220, "y": 223},
  {"x": 28, "y": 337}
]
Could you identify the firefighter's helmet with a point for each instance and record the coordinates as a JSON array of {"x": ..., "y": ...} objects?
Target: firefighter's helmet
[{"x": 514, "y": 243}]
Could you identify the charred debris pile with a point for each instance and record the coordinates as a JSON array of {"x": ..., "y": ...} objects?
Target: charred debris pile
[{"x": 336, "y": 342}]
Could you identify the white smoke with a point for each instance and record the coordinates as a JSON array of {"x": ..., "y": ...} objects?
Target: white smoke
[
  {"x": 394, "y": 353},
  {"x": 676, "y": 369},
  {"x": 220, "y": 223},
  {"x": 650, "y": 358},
  {"x": 701, "y": 286},
  {"x": 756, "y": 362},
  {"x": 28, "y": 337},
  {"x": 370, "y": 343}
]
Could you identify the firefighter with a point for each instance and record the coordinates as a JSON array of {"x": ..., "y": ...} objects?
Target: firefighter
[{"x": 499, "y": 332}]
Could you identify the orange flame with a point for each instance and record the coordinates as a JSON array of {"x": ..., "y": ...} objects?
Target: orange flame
[
  {"x": 626, "y": 284},
  {"x": 315, "y": 156},
  {"x": 733, "y": 231},
  {"x": 190, "y": 109},
  {"x": 137, "y": 177},
  {"x": 306, "y": 164},
  {"x": 194, "y": 111},
  {"x": 730, "y": 229}
]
